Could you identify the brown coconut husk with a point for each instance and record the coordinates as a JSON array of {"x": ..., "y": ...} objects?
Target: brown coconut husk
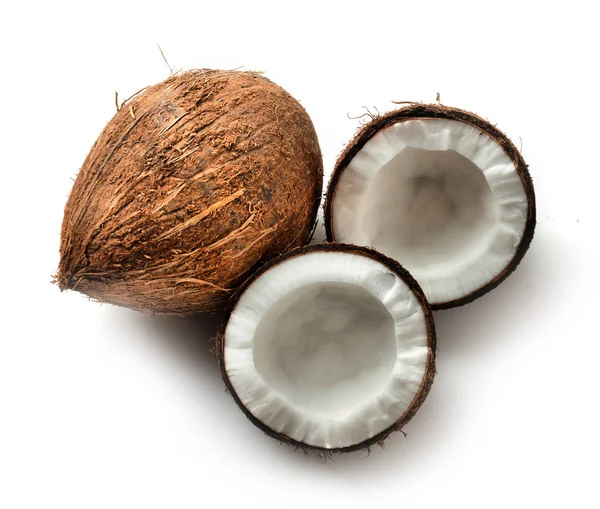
[
  {"x": 430, "y": 370},
  {"x": 425, "y": 111},
  {"x": 192, "y": 184}
]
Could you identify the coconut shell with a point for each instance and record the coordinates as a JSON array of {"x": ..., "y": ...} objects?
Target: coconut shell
[
  {"x": 416, "y": 111},
  {"x": 194, "y": 183},
  {"x": 430, "y": 370}
]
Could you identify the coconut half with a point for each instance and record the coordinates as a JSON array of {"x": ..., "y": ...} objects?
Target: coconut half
[
  {"x": 442, "y": 191},
  {"x": 329, "y": 347}
]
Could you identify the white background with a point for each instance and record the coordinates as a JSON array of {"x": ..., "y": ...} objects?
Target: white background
[{"x": 102, "y": 407}]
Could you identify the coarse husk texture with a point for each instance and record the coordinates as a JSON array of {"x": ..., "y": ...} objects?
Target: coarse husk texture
[
  {"x": 430, "y": 370},
  {"x": 416, "y": 111},
  {"x": 192, "y": 184}
]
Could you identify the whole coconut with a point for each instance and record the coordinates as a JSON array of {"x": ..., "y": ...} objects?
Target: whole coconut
[{"x": 192, "y": 184}]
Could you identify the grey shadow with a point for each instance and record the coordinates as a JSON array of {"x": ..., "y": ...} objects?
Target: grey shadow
[{"x": 189, "y": 340}]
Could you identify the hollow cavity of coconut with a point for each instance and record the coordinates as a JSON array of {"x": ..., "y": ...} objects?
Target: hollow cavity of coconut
[
  {"x": 442, "y": 191},
  {"x": 193, "y": 183},
  {"x": 330, "y": 347}
]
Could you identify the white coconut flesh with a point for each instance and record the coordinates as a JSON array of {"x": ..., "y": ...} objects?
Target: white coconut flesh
[
  {"x": 441, "y": 197},
  {"x": 328, "y": 348}
]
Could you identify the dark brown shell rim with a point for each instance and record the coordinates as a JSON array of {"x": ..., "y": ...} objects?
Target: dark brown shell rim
[
  {"x": 416, "y": 111},
  {"x": 431, "y": 336}
]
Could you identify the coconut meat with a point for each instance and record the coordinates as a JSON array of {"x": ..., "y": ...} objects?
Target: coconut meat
[
  {"x": 439, "y": 196},
  {"x": 327, "y": 348}
]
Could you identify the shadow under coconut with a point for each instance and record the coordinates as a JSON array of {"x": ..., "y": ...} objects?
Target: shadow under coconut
[{"x": 187, "y": 341}]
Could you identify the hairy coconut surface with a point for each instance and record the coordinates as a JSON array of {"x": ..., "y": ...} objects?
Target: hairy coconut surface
[
  {"x": 442, "y": 191},
  {"x": 193, "y": 183},
  {"x": 329, "y": 347}
]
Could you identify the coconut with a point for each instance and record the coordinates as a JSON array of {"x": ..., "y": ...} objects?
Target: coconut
[
  {"x": 442, "y": 191},
  {"x": 329, "y": 347},
  {"x": 192, "y": 184}
]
